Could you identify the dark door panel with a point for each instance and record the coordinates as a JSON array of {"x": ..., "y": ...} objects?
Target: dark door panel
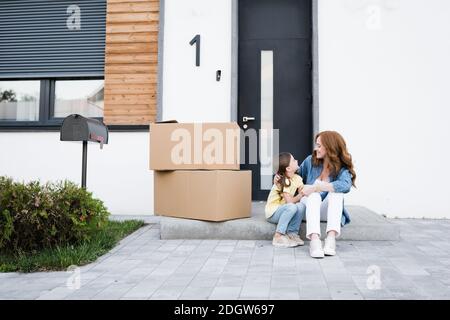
[{"x": 287, "y": 47}]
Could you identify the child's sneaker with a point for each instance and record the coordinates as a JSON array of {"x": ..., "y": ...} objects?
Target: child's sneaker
[
  {"x": 283, "y": 242},
  {"x": 296, "y": 238}
]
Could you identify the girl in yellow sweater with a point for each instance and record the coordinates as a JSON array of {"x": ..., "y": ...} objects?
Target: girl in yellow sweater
[{"x": 283, "y": 205}]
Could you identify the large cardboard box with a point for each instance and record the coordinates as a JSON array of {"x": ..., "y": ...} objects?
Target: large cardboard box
[
  {"x": 217, "y": 195},
  {"x": 194, "y": 146}
]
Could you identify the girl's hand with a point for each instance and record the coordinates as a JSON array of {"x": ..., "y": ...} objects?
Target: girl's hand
[
  {"x": 288, "y": 198},
  {"x": 276, "y": 179},
  {"x": 308, "y": 189}
]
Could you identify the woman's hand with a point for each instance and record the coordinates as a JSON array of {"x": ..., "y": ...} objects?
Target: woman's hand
[
  {"x": 324, "y": 186},
  {"x": 308, "y": 189}
]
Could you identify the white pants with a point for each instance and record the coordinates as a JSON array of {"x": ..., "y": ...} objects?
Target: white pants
[{"x": 329, "y": 210}]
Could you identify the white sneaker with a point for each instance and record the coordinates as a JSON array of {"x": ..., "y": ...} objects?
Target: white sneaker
[
  {"x": 283, "y": 242},
  {"x": 315, "y": 249},
  {"x": 296, "y": 238},
  {"x": 330, "y": 246}
]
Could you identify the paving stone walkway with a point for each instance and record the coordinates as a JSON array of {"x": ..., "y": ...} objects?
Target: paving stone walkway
[{"x": 144, "y": 267}]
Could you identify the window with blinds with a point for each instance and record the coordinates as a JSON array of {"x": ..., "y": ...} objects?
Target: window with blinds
[{"x": 50, "y": 39}]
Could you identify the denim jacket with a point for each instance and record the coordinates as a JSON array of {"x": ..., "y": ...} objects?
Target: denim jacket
[{"x": 341, "y": 183}]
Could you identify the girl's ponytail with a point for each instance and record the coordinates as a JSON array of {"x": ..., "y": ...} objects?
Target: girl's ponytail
[{"x": 283, "y": 162}]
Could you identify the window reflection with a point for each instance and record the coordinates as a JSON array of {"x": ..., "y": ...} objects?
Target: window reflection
[
  {"x": 19, "y": 100},
  {"x": 85, "y": 97}
]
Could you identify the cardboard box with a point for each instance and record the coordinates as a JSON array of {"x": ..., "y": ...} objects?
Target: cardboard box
[
  {"x": 217, "y": 195},
  {"x": 194, "y": 146}
]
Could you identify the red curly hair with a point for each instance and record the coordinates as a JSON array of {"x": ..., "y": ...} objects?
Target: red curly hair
[{"x": 337, "y": 153}]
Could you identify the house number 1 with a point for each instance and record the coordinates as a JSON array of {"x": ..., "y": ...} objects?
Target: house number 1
[{"x": 196, "y": 40}]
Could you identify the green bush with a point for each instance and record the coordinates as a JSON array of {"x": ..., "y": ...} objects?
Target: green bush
[{"x": 34, "y": 216}]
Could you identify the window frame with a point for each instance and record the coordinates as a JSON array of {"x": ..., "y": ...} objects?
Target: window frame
[
  {"x": 46, "y": 104},
  {"x": 51, "y": 100},
  {"x": 46, "y": 121}
]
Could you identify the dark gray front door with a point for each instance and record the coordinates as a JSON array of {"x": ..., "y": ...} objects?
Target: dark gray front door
[{"x": 275, "y": 81}]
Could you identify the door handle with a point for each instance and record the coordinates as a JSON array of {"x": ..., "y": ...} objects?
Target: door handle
[{"x": 246, "y": 119}]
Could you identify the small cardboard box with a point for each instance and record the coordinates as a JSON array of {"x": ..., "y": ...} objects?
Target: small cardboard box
[
  {"x": 194, "y": 146},
  {"x": 216, "y": 195}
]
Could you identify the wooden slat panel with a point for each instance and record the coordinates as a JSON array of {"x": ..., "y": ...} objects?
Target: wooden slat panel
[
  {"x": 131, "y": 61},
  {"x": 146, "y": 48},
  {"x": 135, "y": 111},
  {"x": 138, "y": 78},
  {"x": 121, "y": 7},
  {"x": 132, "y": 58},
  {"x": 131, "y": 68},
  {"x": 129, "y": 98},
  {"x": 132, "y": 17},
  {"x": 130, "y": 89},
  {"x": 130, "y": 1},
  {"x": 131, "y": 27},
  {"x": 131, "y": 120},
  {"x": 144, "y": 38},
  {"x": 123, "y": 109}
]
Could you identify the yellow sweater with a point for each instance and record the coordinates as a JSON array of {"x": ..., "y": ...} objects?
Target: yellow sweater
[{"x": 276, "y": 199}]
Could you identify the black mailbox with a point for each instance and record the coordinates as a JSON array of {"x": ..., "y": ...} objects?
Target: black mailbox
[{"x": 78, "y": 128}]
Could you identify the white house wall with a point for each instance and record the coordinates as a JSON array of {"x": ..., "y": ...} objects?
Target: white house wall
[
  {"x": 384, "y": 84},
  {"x": 118, "y": 174},
  {"x": 191, "y": 93}
]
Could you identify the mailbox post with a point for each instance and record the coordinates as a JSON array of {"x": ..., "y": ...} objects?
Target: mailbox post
[
  {"x": 84, "y": 165},
  {"x": 78, "y": 128}
]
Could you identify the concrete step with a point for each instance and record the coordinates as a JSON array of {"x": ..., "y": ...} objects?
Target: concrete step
[{"x": 365, "y": 225}]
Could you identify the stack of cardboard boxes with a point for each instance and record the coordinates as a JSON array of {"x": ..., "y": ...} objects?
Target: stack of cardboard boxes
[{"x": 196, "y": 171}]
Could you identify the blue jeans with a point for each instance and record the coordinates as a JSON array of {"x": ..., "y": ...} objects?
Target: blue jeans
[{"x": 288, "y": 217}]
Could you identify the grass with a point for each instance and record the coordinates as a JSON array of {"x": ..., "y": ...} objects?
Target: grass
[{"x": 59, "y": 258}]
